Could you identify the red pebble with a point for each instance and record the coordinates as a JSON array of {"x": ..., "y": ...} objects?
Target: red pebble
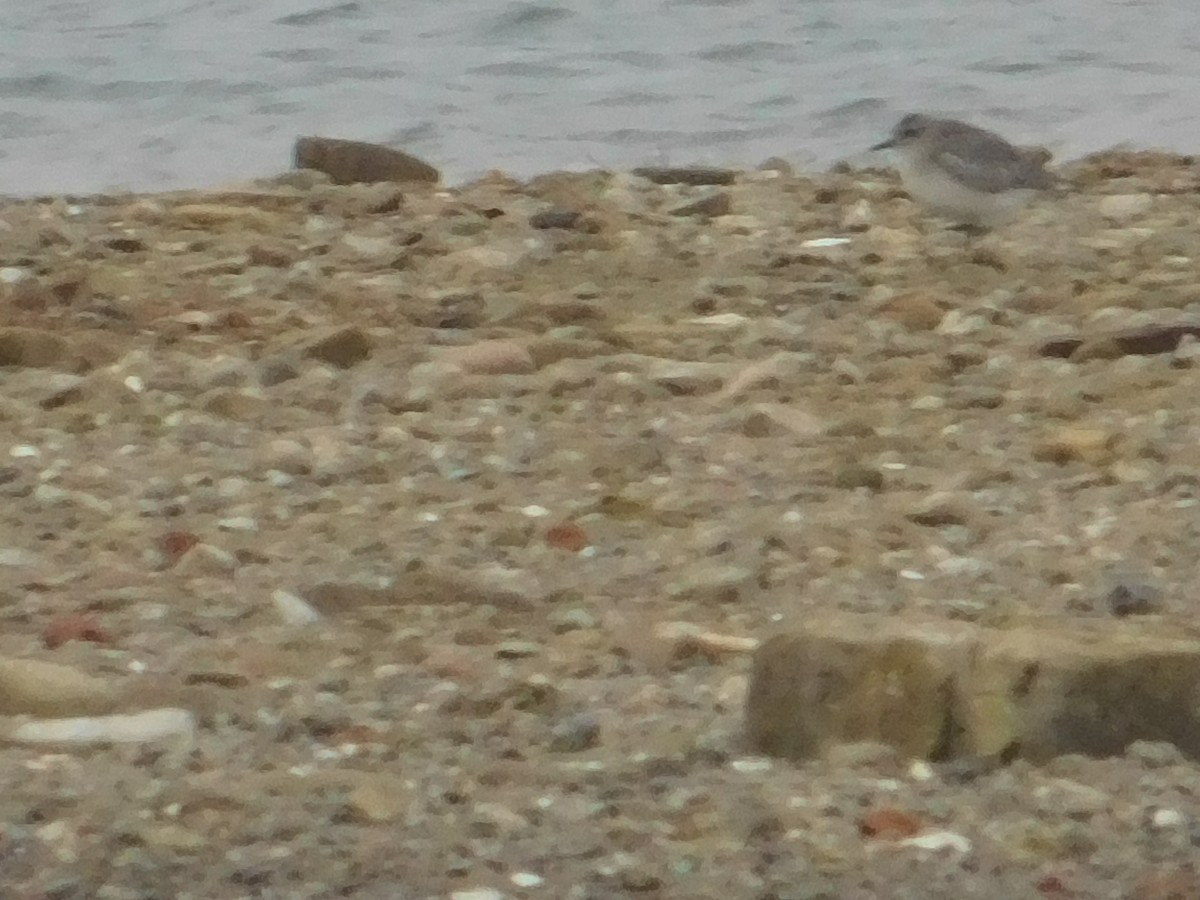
[
  {"x": 889, "y": 824},
  {"x": 567, "y": 536},
  {"x": 74, "y": 627},
  {"x": 177, "y": 543},
  {"x": 1052, "y": 885}
]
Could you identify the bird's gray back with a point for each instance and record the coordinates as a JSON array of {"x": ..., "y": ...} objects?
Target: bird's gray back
[{"x": 985, "y": 161}]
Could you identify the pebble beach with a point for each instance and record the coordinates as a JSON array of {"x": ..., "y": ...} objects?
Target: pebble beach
[{"x": 415, "y": 542}]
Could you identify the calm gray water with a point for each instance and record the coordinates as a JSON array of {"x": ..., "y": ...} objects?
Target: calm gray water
[{"x": 148, "y": 94}]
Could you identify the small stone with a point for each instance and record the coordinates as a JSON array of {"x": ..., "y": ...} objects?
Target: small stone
[
  {"x": 1155, "y": 754},
  {"x": 295, "y": 610},
  {"x": 151, "y": 725},
  {"x": 750, "y": 765},
  {"x": 486, "y": 257},
  {"x": 1072, "y": 799},
  {"x": 1122, "y": 208},
  {"x": 238, "y": 523},
  {"x": 915, "y": 311},
  {"x": 176, "y": 543},
  {"x": 940, "y": 509},
  {"x": 517, "y": 649},
  {"x": 205, "y": 559},
  {"x": 1075, "y": 444},
  {"x": 687, "y": 378},
  {"x": 889, "y": 824},
  {"x": 276, "y": 371},
  {"x": 221, "y": 216},
  {"x": 288, "y": 456},
  {"x": 271, "y": 256},
  {"x": 479, "y": 894},
  {"x": 921, "y": 771},
  {"x": 237, "y": 406},
  {"x": 958, "y": 323},
  {"x": 859, "y": 217},
  {"x": 713, "y": 583},
  {"x": 587, "y": 290},
  {"x": 32, "y": 348},
  {"x": 939, "y": 840},
  {"x": 693, "y": 175},
  {"x": 776, "y": 164},
  {"x": 378, "y": 798},
  {"x": 74, "y": 627},
  {"x": 1129, "y": 597},
  {"x": 491, "y": 358},
  {"x": 171, "y": 837},
  {"x": 769, "y": 372},
  {"x": 710, "y": 207},
  {"x": 1146, "y": 340},
  {"x": 1187, "y": 353},
  {"x": 63, "y": 388},
  {"x": 685, "y": 641},
  {"x": 18, "y": 557},
  {"x": 572, "y": 620},
  {"x": 773, "y": 419},
  {"x": 856, "y": 475},
  {"x": 847, "y": 372},
  {"x": 343, "y": 348},
  {"x": 575, "y": 734},
  {"x": 567, "y": 536},
  {"x": 1168, "y": 818},
  {"x": 554, "y": 218},
  {"x": 370, "y": 247},
  {"x": 33, "y": 687}
]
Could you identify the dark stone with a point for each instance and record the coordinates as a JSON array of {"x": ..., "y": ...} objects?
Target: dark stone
[
  {"x": 554, "y": 218},
  {"x": 343, "y": 348},
  {"x": 349, "y": 162},
  {"x": 1148, "y": 340},
  {"x": 694, "y": 175},
  {"x": 575, "y": 733},
  {"x": 717, "y": 204},
  {"x": 125, "y": 244},
  {"x": 1133, "y": 598}
]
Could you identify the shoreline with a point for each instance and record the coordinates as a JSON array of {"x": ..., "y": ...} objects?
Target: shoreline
[{"x": 861, "y": 162}]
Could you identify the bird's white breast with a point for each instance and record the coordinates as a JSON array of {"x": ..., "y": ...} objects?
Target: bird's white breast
[{"x": 930, "y": 184}]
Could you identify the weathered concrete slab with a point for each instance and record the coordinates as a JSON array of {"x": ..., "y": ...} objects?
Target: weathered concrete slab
[
  {"x": 942, "y": 690},
  {"x": 1038, "y": 693}
]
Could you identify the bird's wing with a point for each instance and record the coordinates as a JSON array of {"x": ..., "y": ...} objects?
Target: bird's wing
[{"x": 988, "y": 163}]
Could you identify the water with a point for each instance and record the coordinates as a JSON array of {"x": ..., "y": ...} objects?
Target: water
[{"x": 151, "y": 94}]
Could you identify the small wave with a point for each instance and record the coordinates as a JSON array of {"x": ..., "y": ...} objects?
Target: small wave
[
  {"x": 42, "y": 86},
  {"x": 322, "y": 15},
  {"x": 749, "y": 51},
  {"x": 862, "y": 108},
  {"x": 526, "y": 70},
  {"x": 633, "y": 98},
  {"x": 524, "y": 17},
  {"x": 997, "y": 67}
]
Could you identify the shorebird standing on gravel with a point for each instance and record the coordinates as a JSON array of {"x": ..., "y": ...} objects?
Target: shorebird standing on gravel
[{"x": 967, "y": 174}]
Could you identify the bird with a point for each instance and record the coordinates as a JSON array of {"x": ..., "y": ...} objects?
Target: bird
[{"x": 966, "y": 173}]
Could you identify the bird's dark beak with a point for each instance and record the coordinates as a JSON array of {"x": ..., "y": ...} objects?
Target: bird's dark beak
[{"x": 884, "y": 145}]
